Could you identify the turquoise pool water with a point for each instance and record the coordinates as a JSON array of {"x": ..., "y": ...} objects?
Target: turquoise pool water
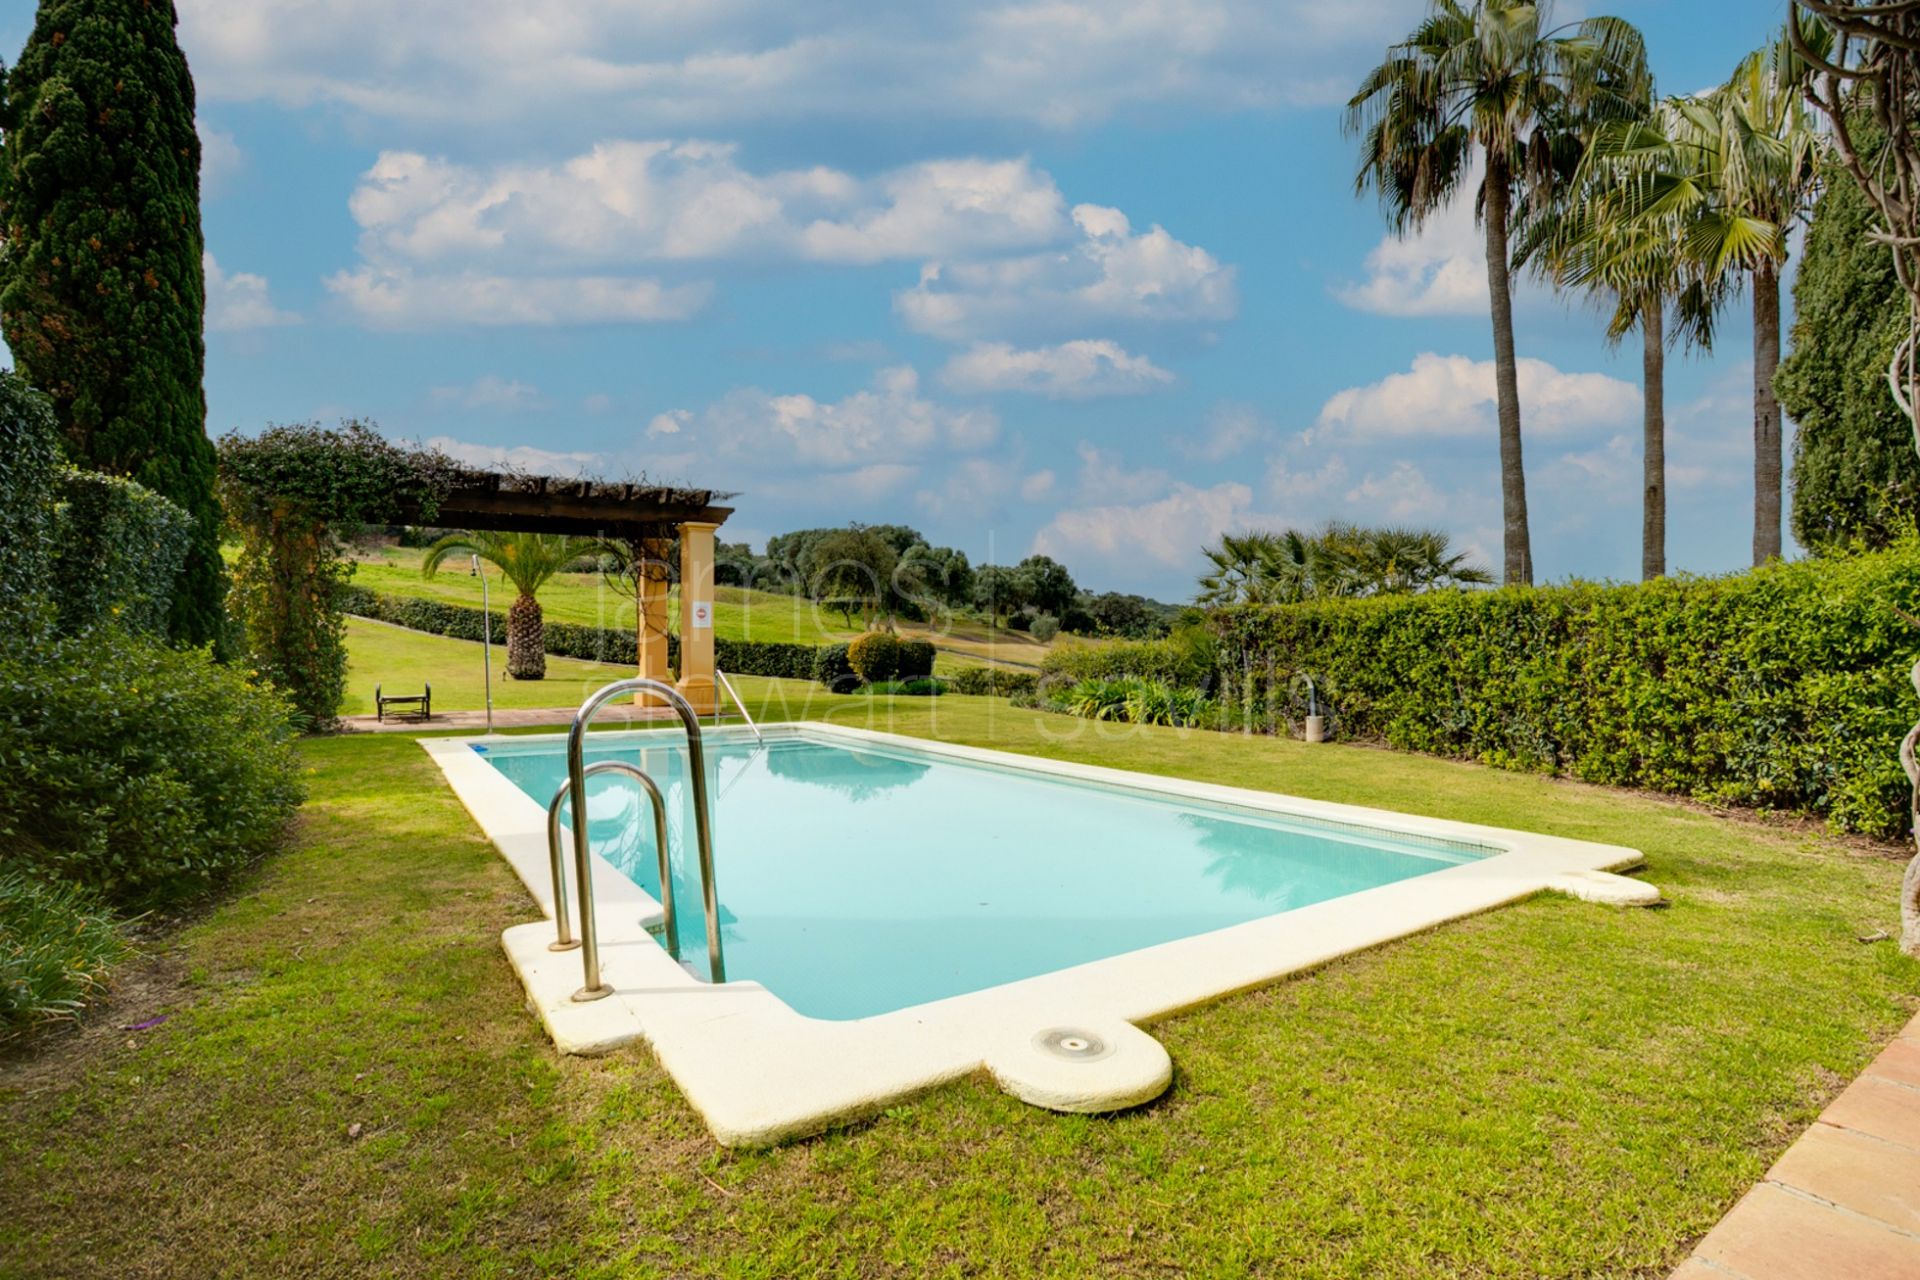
[{"x": 857, "y": 880}]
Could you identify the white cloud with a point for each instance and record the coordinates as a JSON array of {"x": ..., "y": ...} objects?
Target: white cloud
[
  {"x": 488, "y": 392},
  {"x": 518, "y": 457},
  {"x": 1109, "y": 274},
  {"x": 1230, "y": 429},
  {"x": 220, "y": 158},
  {"x": 1079, "y": 369},
  {"x": 239, "y": 301},
  {"x": 1403, "y": 495},
  {"x": 1168, "y": 531},
  {"x": 1106, "y": 478},
  {"x": 1296, "y": 487},
  {"x": 479, "y": 65},
  {"x": 1037, "y": 485},
  {"x": 397, "y": 298},
  {"x": 889, "y": 422},
  {"x": 1444, "y": 396},
  {"x": 1440, "y": 269},
  {"x": 629, "y": 201}
]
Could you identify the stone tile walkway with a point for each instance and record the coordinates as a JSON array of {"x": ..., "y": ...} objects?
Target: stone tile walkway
[{"x": 1843, "y": 1203}]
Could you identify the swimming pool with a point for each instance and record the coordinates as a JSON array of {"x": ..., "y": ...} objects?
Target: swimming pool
[
  {"x": 899, "y": 912},
  {"x": 856, "y": 879}
]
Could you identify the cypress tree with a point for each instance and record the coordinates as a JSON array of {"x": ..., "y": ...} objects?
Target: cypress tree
[
  {"x": 1856, "y": 479},
  {"x": 102, "y": 292}
]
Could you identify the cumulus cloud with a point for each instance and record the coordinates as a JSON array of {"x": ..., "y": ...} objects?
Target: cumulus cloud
[
  {"x": 1168, "y": 531},
  {"x": 1230, "y": 428},
  {"x": 632, "y": 201},
  {"x": 1445, "y": 396},
  {"x": 889, "y": 422},
  {"x": 1440, "y": 269},
  {"x": 1002, "y": 253},
  {"x": 518, "y": 457},
  {"x": 220, "y": 158},
  {"x": 484, "y": 64},
  {"x": 1080, "y": 369},
  {"x": 488, "y": 392},
  {"x": 238, "y": 301},
  {"x": 397, "y": 298},
  {"x": 1108, "y": 274}
]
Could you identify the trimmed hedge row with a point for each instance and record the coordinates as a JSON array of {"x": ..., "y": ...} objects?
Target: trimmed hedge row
[
  {"x": 118, "y": 551},
  {"x": 571, "y": 640},
  {"x": 996, "y": 681},
  {"x": 1176, "y": 661},
  {"x": 1783, "y": 688}
]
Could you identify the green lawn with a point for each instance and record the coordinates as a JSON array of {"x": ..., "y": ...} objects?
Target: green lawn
[
  {"x": 1549, "y": 1089},
  {"x": 403, "y": 661},
  {"x": 738, "y": 614}
]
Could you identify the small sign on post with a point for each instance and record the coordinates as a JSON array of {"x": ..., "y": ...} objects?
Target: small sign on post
[{"x": 703, "y": 614}]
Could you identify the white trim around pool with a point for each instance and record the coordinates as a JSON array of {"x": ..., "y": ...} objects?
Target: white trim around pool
[{"x": 760, "y": 1073}]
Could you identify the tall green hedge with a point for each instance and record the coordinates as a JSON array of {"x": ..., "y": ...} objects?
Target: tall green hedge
[
  {"x": 118, "y": 553},
  {"x": 1785, "y": 687},
  {"x": 570, "y": 640},
  {"x": 102, "y": 295},
  {"x": 29, "y": 460}
]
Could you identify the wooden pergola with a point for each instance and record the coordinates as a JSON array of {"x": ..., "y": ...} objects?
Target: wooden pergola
[{"x": 634, "y": 512}]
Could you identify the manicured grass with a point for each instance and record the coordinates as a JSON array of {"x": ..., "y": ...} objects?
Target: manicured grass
[
  {"x": 1550, "y": 1089},
  {"x": 403, "y": 661},
  {"x": 738, "y": 614}
]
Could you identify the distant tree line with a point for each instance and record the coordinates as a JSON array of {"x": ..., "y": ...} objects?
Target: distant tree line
[{"x": 881, "y": 573}]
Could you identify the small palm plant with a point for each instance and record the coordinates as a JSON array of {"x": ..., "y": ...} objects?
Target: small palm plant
[{"x": 529, "y": 561}]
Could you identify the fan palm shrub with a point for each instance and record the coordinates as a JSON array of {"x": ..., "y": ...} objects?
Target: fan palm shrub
[{"x": 529, "y": 561}]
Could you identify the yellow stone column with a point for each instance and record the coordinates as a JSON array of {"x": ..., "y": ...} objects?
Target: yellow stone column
[
  {"x": 651, "y": 622},
  {"x": 696, "y": 615}
]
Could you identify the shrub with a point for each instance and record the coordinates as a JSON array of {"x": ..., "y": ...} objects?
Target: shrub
[
  {"x": 57, "y": 945},
  {"x": 922, "y": 688},
  {"x": 139, "y": 771},
  {"x": 916, "y": 659},
  {"x": 1135, "y": 701},
  {"x": 1186, "y": 660},
  {"x": 571, "y": 640},
  {"x": 29, "y": 459},
  {"x": 874, "y": 656},
  {"x": 984, "y": 681},
  {"x": 119, "y": 547},
  {"x": 832, "y": 670},
  {"x": 1784, "y": 687},
  {"x": 1045, "y": 627}
]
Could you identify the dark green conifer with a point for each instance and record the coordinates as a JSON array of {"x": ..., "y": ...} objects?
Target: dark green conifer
[{"x": 102, "y": 291}]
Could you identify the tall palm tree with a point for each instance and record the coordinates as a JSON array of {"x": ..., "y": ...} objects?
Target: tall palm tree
[
  {"x": 1734, "y": 168},
  {"x": 529, "y": 561},
  {"x": 1591, "y": 239},
  {"x": 1492, "y": 82}
]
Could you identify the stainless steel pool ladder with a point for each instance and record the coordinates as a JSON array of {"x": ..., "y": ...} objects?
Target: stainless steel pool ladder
[
  {"x": 746, "y": 715},
  {"x": 576, "y": 787},
  {"x": 566, "y": 941}
]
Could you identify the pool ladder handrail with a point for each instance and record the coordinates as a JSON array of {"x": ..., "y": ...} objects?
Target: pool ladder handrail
[
  {"x": 566, "y": 941},
  {"x": 746, "y": 715},
  {"x": 582, "y": 852}
]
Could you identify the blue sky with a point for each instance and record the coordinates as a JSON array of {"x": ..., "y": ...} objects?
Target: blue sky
[{"x": 1042, "y": 274}]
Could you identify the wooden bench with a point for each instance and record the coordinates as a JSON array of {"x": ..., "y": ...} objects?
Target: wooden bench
[{"x": 416, "y": 706}]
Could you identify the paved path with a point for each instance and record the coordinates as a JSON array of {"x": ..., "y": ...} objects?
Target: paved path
[
  {"x": 518, "y": 718},
  {"x": 1844, "y": 1202}
]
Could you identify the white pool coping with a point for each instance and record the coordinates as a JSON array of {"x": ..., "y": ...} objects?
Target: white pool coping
[{"x": 760, "y": 1073}]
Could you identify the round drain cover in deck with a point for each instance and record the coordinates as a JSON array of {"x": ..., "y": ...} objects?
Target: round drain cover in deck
[{"x": 1082, "y": 1066}]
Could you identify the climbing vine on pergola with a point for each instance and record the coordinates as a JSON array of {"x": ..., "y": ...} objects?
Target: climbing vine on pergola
[{"x": 292, "y": 493}]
